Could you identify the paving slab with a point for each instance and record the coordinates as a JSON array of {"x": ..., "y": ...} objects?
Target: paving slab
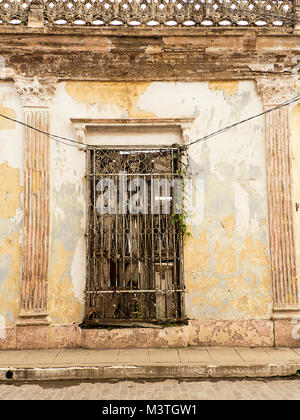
[
  {"x": 133, "y": 355},
  {"x": 70, "y": 357},
  {"x": 13, "y": 356},
  {"x": 281, "y": 355},
  {"x": 101, "y": 356},
  {"x": 40, "y": 357},
  {"x": 253, "y": 354},
  {"x": 185, "y": 363},
  {"x": 194, "y": 355},
  {"x": 164, "y": 355},
  {"x": 224, "y": 355}
]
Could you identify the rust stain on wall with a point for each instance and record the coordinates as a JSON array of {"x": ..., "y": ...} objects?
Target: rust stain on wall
[
  {"x": 4, "y": 123},
  {"x": 123, "y": 94},
  {"x": 228, "y": 87}
]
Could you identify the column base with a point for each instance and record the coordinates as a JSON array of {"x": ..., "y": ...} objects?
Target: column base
[
  {"x": 32, "y": 318},
  {"x": 287, "y": 312},
  {"x": 287, "y": 326}
]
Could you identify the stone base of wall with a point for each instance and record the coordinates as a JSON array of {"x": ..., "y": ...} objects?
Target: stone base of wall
[
  {"x": 287, "y": 333},
  {"x": 256, "y": 333}
]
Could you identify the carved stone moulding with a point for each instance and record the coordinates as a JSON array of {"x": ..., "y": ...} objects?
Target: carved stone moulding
[
  {"x": 35, "y": 92},
  {"x": 276, "y": 90},
  {"x": 104, "y": 13}
]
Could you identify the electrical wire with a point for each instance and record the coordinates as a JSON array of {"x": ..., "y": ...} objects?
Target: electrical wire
[
  {"x": 52, "y": 136},
  {"x": 77, "y": 144},
  {"x": 229, "y": 127}
]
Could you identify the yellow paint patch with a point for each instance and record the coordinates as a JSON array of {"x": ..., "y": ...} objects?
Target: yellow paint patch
[
  {"x": 123, "y": 94},
  {"x": 254, "y": 253},
  {"x": 203, "y": 289},
  {"x": 10, "y": 190},
  {"x": 251, "y": 298},
  {"x": 228, "y": 87},
  {"x": 9, "y": 301},
  {"x": 4, "y": 123},
  {"x": 197, "y": 253},
  {"x": 225, "y": 261},
  {"x": 36, "y": 180},
  {"x": 238, "y": 286},
  {"x": 64, "y": 306},
  {"x": 229, "y": 224}
]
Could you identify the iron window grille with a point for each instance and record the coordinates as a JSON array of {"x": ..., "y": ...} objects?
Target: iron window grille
[{"x": 134, "y": 259}]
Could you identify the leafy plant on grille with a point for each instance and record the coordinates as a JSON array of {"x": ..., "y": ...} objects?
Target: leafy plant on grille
[{"x": 180, "y": 219}]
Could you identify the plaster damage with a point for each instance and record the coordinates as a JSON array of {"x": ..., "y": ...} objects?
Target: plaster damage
[
  {"x": 124, "y": 95},
  {"x": 228, "y": 272},
  {"x": 10, "y": 248},
  {"x": 65, "y": 295},
  {"x": 228, "y": 87},
  {"x": 6, "y": 124},
  {"x": 226, "y": 260}
]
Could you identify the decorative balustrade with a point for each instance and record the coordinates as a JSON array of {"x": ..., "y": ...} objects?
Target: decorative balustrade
[{"x": 132, "y": 13}]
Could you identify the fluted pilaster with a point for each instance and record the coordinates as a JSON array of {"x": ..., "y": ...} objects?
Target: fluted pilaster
[
  {"x": 277, "y": 134},
  {"x": 36, "y": 98}
]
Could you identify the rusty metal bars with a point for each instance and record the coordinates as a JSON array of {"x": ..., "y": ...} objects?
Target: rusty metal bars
[{"x": 134, "y": 247}]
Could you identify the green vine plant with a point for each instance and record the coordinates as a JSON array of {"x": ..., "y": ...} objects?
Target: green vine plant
[{"x": 180, "y": 219}]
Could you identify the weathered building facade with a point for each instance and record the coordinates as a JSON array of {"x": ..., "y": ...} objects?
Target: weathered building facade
[{"x": 86, "y": 71}]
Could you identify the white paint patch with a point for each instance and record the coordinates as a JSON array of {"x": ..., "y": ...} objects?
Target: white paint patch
[
  {"x": 12, "y": 140},
  {"x": 242, "y": 214},
  {"x": 194, "y": 201}
]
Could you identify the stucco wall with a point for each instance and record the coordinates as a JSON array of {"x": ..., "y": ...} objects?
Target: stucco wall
[
  {"x": 11, "y": 213},
  {"x": 227, "y": 266},
  {"x": 227, "y": 269}
]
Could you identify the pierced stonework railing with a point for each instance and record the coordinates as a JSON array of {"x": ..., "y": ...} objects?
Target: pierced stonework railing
[{"x": 131, "y": 13}]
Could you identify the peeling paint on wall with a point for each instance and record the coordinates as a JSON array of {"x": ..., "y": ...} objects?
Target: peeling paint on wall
[
  {"x": 228, "y": 87},
  {"x": 65, "y": 305},
  {"x": 122, "y": 94},
  {"x": 227, "y": 269},
  {"x": 4, "y": 123},
  {"x": 10, "y": 225},
  {"x": 10, "y": 190},
  {"x": 229, "y": 224},
  {"x": 10, "y": 265},
  {"x": 228, "y": 275}
]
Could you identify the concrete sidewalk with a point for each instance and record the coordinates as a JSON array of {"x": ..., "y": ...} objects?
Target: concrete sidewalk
[{"x": 184, "y": 363}]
